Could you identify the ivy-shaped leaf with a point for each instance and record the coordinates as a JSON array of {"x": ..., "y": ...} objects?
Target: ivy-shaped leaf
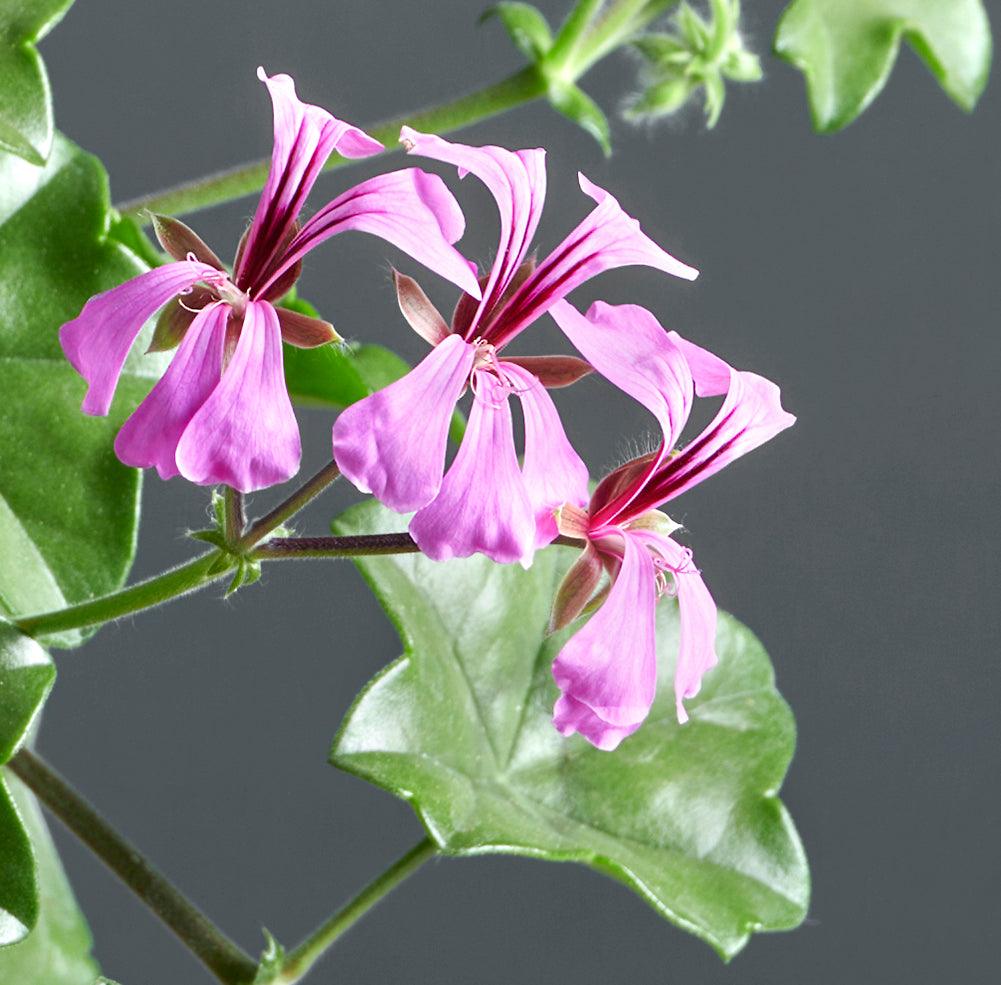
[
  {"x": 68, "y": 507},
  {"x": 686, "y": 816},
  {"x": 847, "y": 49},
  {"x": 25, "y": 101},
  {"x": 57, "y": 951},
  {"x": 26, "y": 675}
]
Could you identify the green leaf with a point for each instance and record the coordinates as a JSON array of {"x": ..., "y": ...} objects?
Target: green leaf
[
  {"x": 847, "y": 49},
  {"x": 526, "y": 26},
  {"x": 68, "y": 508},
  {"x": 25, "y": 101},
  {"x": 686, "y": 816},
  {"x": 336, "y": 376},
  {"x": 26, "y": 676},
  {"x": 57, "y": 951},
  {"x": 577, "y": 105}
]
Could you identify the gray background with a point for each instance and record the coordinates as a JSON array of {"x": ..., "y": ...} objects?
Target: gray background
[{"x": 859, "y": 271}]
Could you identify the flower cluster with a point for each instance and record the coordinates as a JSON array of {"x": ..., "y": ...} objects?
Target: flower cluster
[{"x": 221, "y": 412}]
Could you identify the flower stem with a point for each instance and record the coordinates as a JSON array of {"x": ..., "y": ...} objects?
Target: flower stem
[
  {"x": 302, "y": 958},
  {"x": 214, "y": 949},
  {"x": 235, "y": 517},
  {"x": 303, "y": 548},
  {"x": 289, "y": 507},
  {"x": 224, "y": 186},
  {"x": 170, "y": 585}
]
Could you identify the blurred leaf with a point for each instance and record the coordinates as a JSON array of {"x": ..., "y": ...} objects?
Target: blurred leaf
[
  {"x": 847, "y": 49},
  {"x": 686, "y": 816},
  {"x": 68, "y": 507},
  {"x": 57, "y": 951},
  {"x": 337, "y": 376},
  {"x": 25, "y": 101},
  {"x": 526, "y": 26},
  {"x": 577, "y": 105}
]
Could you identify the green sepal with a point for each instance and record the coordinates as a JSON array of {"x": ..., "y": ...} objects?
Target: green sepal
[
  {"x": 577, "y": 105},
  {"x": 526, "y": 26},
  {"x": 846, "y": 50}
]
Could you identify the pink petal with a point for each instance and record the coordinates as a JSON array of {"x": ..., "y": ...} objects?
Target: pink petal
[
  {"x": 553, "y": 472},
  {"x": 97, "y": 341},
  {"x": 697, "y": 611},
  {"x": 483, "y": 505},
  {"x": 606, "y": 239},
  {"x": 149, "y": 437},
  {"x": 628, "y": 346},
  {"x": 751, "y": 415},
  {"x": 305, "y": 136},
  {"x": 411, "y": 209},
  {"x": 392, "y": 444},
  {"x": 245, "y": 435},
  {"x": 608, "y": 670},
  {"x": 517, "y": 181}
]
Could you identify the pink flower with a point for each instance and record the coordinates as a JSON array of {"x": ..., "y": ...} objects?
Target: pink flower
[
  {"x": 607, "y": 671},
  {"x": 221, "y": 413},
  {"x": 393, "y": 443}
]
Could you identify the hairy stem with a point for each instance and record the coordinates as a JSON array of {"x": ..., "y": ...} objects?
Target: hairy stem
[
  {"x": 300, "y": 960},
  {"x": 229, "y": 963},
  {"x": 309, "y": 490},
  {"x": 522, "y": 87},
  {"x": 235, "y": 517},
  {"x": 170, "y": 585},
  {"x": 309, "y": 548}
]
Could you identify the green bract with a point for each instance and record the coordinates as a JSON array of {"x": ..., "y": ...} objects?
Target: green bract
[
  {"x": 847, "y": 49},
  {"x": 687, "y": 816},
  {"x": 68, "y": 507},
  {"x": 26, "y": 107},
  {"x": 57, "y": 951}
]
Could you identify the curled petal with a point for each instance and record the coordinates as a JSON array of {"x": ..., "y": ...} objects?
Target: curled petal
[
  {"x": 392, "y": 444},
  {"x": 697, "y": 612},
  {"x": 149, "y": 437},
  {"x": 517, "y": 181},
  {"x": 245, "y": 435},
  {"x": 605, "y": 239},
  {"x": 751, "y": 415},
  {"x": 97, "y": 341},
  {"x": 483, "y": 505},
  {"x": 411, "y": 209},
  {"x": 553, "y": 472},
  {"x": 305, "y": 136},
  {"x": 607, "y": 671}
]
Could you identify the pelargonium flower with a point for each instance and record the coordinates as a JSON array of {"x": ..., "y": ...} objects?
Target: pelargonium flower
[
  {"x": 221, "y": 412},
  {"x": 393, "y": 443},
  {"x": 607, "y": 671}
]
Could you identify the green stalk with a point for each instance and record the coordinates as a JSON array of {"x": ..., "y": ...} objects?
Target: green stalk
[
  {"x": 224, "y": 186},
  {"x": 589, "y": 33},
  {"x": 213, "y": 948},
  {"x": 299, "y": 961},
  {"x": 170, "y": 585}
]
